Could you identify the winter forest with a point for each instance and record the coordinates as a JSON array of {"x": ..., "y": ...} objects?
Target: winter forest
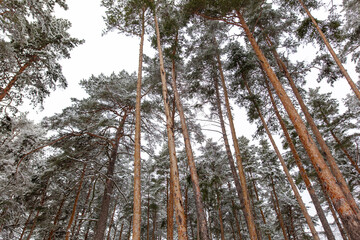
[{"x": 159, "y": 153}]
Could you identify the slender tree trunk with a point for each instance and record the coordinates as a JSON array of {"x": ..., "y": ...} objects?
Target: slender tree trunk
[
  {"x": 339, "y": 142},
  {"x": 170, "y": 213},
  {"x": 109, "y": 185},
  {"x": 330, "y": 159},
  {"x": 333, "y": 212},
  {"x": 111, "y": 222},
  {"x": 154, "y": 225},
  {"x": 38, "y": 211},
  {"x": 84, "y": 208},
  {"x": 129, "y": 231},
  {"x": 258, "y": 199},
  {"x": 193, "y": 174},
  {"x": 179, "y": 209},
  {"x": 302, "y": 171},
  {"x": 349, "y": 216},
  {"x": 332, "y": 52},
  {"x": 233, "y": 230},
  {"x": 286, "y": 171},
  {"x": 137, "y": 156},
  {"x": 220, "y": 217},
  {"x": 121, "y": 230},
  {"x": 227, "y": 147},
  {"x": 57, "y": 216},
  {"x": 13, "y": 80},
  {"x": 25, "y": 225},
  {"x": 278, "y": 210},
  {"x": 248, "y": 209},
  {"x": 75, "y": 203},
  {"x": 148, "y": 219}
]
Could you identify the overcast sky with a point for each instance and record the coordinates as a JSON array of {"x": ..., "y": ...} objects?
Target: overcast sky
[{"x": 114, "y": 52}]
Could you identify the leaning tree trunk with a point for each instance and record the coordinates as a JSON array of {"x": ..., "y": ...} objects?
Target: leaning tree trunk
[
  {"x": 277, "y": 209},
  {"x": 341, "y": 203},
  {"x": 193, "y": 174},
  {"x": 329, "y": 157},
  {"x": 174, "y": 172},
  {"x": 227, "y": 147},
  {"x": 248, "y": 209},
  {"x": 304, "y": 176},
  {"x": 332, "y": 52},
  {"x": 75, "y": 203},
  {"x": 170, "y": 211},
  {"x": 286, "y": 170},
  {"x": 109, "y": 185},
  {"x": 337, "y": 140},
  {"x": 137, "y": 157}
]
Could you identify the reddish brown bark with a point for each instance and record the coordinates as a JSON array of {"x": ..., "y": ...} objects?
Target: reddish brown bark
[
  {"x": 277, "y": 209},
  {"x": 227, "y": 147},
  {"x": 341, "y": 203},
  {"x": 332, "y": 52},
  {"x": 286, "y": 171},
  {"x": 111, "y": 222},
  {"x": 75, "y": 204},
  {"x": 190, "y": 156},
  {"x": 174, "y": 172},
  {"x": 302, "y": 171},
  {"x": 220, "y": 217},
  {"x": 109, "y": 185},
  {"x": 13, "y": 80},
  {"x": 246, "y": 200},
  {"x": 137, "y": 155},
  {"x": 337, "y": 140},
  {"x": 170, "y": 212},
  {"x": 121, "y": 230}
]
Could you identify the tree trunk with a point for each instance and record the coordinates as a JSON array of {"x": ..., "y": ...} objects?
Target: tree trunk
[
  {"x": 332, "y": 52},
  {"x": 129, "y": 231},
  {"x": 339, "y": 143},
  {"x": 170, "y": 213},
  {"x": 220, "y": 217},
  {"x": 258, "y": 199},
  {"x": 13, "y": 80},
  {"x": 330, "y": 159},
  {"x": 57, "y": 216},
  {"x": 351, "y": 220},
  {"x": 75, "y": 203},
  {"x": 179, "y": 209},
  {"x": 286, "y": 171},
  {"x": 227, "y": 146},
  {"x": 302, "y": 171},
  {"x": 154, "y": 225},
  {"x": 38, "y": 211},
  {"x": 277, "y": 209},
  {"x": 148, "y": 219},
  {"x": 137, "y": 156},
  {"x": 121, "y": 230},
  {"x": 189, "y": 152},
  {"x": 248, "y": 209},
  {"x": 109, "y": 185},
  {"x": 111, "y": 222},
  {"x": 25, "y": 225},
  {"x": 84, "y": 208}
]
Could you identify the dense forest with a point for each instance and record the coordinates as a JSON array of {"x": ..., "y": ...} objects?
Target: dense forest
[{"x": 156, "y": 154}]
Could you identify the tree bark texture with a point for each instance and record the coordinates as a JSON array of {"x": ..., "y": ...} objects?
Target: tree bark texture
[
  {"x": 109, "y": 184},
  {"x": 286, "y": 171},
  {"x": 350, "y": 218},
  {"x": 174, "y": 172},
  {"x": 332, "y": 52},
  {"x": 137, "y": 156},
  {"x": 247, "y": 205},
  {"x": 304, "y": 176}
]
